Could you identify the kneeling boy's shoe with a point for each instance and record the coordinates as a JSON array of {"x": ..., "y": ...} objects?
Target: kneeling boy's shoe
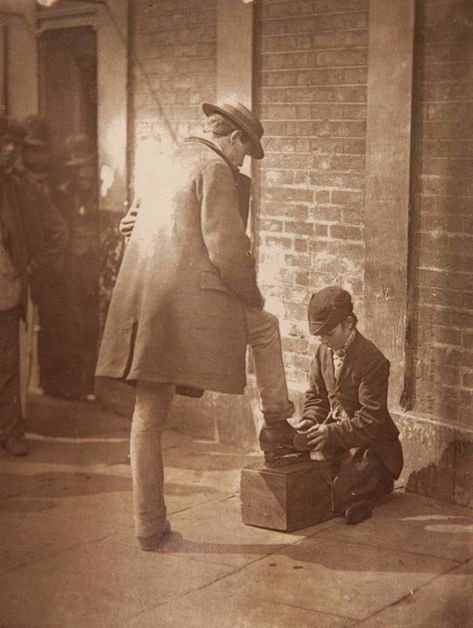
[
  {"x": 276, "y": 442},
  {"x": 150, "y": 543},
  {"x": 358, "y": 511},
  {"x": 15, "y": 446}
]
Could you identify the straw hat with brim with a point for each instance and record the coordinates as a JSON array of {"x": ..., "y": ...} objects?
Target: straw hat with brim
[
  {"x": 244, "y": 119},
  {"x": 328, "y": 308}
]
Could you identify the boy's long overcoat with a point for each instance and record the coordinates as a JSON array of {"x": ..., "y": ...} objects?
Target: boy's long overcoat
[{"x": 177, "y": 313}]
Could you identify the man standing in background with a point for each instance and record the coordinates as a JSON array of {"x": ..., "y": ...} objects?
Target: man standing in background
[
  {"x": 57, "y": 370},
  {"x": 30, "y": 241},
  {"x": 80, "y": 210}
]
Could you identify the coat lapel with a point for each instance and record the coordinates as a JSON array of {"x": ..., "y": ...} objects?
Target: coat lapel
[
  {"x": 347, "y": 361},
  {"x": 328, "y": 372}
]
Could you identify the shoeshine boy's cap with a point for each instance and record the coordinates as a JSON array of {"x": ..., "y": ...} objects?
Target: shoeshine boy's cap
[
  {"x": 244, "y": 119},
  {"x": 327, "y": 308}
]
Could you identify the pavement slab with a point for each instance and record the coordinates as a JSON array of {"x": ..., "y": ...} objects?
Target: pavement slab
[
  {"x": 29, "y": 536},
  {"x": 69, "y": 557},
  {"x": 413, "y": 524},
  {"x": 322, "y": 575},
  {"x": 100, "y": 584},
  {"x": 237, "y": 610},
  {"x": 446, "y": 602},
  {"x": 214, "y": 532}
]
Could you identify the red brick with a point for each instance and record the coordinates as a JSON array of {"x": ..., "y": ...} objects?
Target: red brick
[
  {"x": 467, "y": 341},
  {"x": 300, "y": 228},
  {"x": 278, "y": 241},
  {"x": 297, "y": 212},
  {"x": 446, "y": 316},
  {"x": 270, "y": 225},
  {"x": 321, "y": 231},
  {"x": 330, "y": 6},
  {"x": 467, "y": 380},
  {"x": 343, "y": 57},
  {"x": 342, "y": 232},
  {"x": 315, "y": 23},
  {"x": 295, "y": 345},
  {"x": 301, "y": 277},
  {"x": 326, "y": 214},
  {"x": 301, "y": 261},
  {"x": 335, "y": 93},
  {"x": 301, "y": 246},
  {"x": 285, "y": 195},
  {"x": 297, "y": 311},
  {"x": 440, "y": 278},
  {"x": 289, "y": 7}
]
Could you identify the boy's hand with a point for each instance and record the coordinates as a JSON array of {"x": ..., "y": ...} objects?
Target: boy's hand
[
  {"x": 304, "y": 425},
  {"x": 317, "y": 437}
]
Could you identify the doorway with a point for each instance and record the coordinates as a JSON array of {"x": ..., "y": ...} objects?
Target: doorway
[
  {"x": 68, "y": 82},
  {"x": 69, "y": 315}
]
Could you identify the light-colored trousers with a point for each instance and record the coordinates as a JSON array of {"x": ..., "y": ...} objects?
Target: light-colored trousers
[{"x": 152, "y": 406}]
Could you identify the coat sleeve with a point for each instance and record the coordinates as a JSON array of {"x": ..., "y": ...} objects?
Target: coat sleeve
[
  {"x": 366, "y": 426},
  {"x": 224, "y": 234},
  {"x": 316, "y": 403},
  {"x": 46, "y": 231}
]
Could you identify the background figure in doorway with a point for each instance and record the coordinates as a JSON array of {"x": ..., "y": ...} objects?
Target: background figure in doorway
[
  {"x": 80, "y": 209},
  {"x": 32, "y": 238},
  {"x": 57, "y": 369}
]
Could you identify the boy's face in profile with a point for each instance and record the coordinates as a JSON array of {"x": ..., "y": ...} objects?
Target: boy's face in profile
[{"x": 336, "y": 337}]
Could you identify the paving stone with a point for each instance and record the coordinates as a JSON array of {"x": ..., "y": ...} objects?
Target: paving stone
[
  {"x": 67, "y": 541},
  {"x": 97, "y": 585},
  {"x": 413, "y": 524},
  {"x": 27, "y": 536},
  {"x": 447, "y": 602},
  {"x": 202, "y": 608},
  {"x": 49, "y": 416},
  {"x": 322, "y": 575},
  {"x": 214, "y": 532},
  {"x": 79, "y": 451},
  {"x": 52, "y": 482}
]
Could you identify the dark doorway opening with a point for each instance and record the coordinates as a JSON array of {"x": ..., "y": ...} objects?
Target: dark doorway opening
[
  {"x": 68, "y": 82},
  {"x": 68, "y": 335}
]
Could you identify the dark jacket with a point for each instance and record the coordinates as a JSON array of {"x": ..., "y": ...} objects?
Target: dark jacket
[
  {"x": 177, "y": 312},
  {"x": 36, "y": 233},
  {"x": 359, "y": 396}
]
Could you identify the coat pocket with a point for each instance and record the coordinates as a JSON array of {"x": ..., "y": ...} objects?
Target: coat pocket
[{"x": 211, "y": 281}]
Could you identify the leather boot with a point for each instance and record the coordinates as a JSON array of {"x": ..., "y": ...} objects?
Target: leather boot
[{"x": 276, "y": 442}]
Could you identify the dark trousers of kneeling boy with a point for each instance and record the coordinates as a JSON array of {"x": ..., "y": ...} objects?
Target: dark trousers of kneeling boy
[{"x": 345, "y": 418}]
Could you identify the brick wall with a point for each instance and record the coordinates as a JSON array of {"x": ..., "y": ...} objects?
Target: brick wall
[
  {"x": 442, "y": 242},
  {"x": 173, "y": 69},
  {"x": 310, "y": 73}
]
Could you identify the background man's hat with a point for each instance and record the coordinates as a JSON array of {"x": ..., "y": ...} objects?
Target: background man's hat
[
  {"x": 327, "y": 308},
  {"x": 244, "y": 120},
  {"x": 11, "y": 130},
  {"x": 37, "y": 132},
  {"x": 79, "y": 150}
]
